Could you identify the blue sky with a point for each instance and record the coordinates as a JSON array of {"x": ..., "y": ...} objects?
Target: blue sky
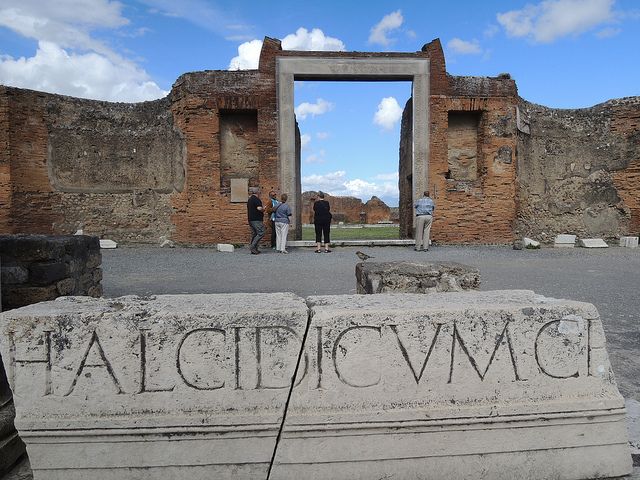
[{"x": 562, "y": 53}]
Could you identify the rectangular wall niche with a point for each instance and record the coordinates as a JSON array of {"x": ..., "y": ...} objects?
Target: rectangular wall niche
[
  {"x": 238, "y": 147},
  {"x": 462, "y": 140}
]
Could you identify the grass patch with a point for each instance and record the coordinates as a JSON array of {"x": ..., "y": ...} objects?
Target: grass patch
[{"x": 364, "y": 232}]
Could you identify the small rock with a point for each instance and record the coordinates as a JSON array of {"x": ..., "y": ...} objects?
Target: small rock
[
  {"x": 530, "y": 243},
  {"x": 165, "y": 242},
  {"x": 518, "y": 245}
]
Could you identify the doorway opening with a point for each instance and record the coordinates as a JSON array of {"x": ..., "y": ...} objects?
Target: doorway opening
[
  {"x": 350, "y": 140},
  {"x": 357, "y": 68}
]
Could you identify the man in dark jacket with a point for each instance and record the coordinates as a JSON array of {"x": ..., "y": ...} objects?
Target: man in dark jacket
[{"x": 255, "y": 215}]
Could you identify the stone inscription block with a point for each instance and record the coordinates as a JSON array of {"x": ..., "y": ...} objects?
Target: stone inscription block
[
  {"x": 449, "y": 384},
  {"x": 189, "y": 381}
]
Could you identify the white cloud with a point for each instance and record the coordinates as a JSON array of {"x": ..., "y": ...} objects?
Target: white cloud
[
  {"x": 337, "y": 183},
  {"x": 249, "y": 52},
  {"x": 388, "y": 113},
  {"x": 608, "y": 32},
  {"x": 322, "y": 135},
  {"x": 248, "y": 56},
  {"x": 88, "y": 75},
  {"x": 305, "y": 138},
  {"x": 379, "y": 32},
  {"x": 313, "y": 40},
  {"x": 387, "y": 176},
  {"x": 552, "y": 19},
  {"x": 205, "y": 14},
  {"x": 464, "y": 47},
  {"x": 69, "y": 60},
  {"x": 320, "y": 107}
]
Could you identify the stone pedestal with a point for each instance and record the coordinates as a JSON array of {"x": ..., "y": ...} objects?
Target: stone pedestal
[
  {"x": 415, "y": 277},
  {"x": 491, "y": 385}
]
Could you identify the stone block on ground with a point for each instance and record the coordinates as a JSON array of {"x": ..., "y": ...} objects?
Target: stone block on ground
[
  {"x": 530, "y": 243},
  {"x": 494, "y": 385},
  {"x": 592, "y": 243},
  {"x": 167, "y": 387},
  {"x": 105, "y": 243},
  {"x": 629, "y": 242},
  {"x": 565, "y": 240},
  {"x": 415, "y": 277},
  {"x": 225, "y": 247}
]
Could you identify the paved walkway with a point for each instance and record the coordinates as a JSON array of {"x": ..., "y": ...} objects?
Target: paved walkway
[{"x": 608, "y": 278}]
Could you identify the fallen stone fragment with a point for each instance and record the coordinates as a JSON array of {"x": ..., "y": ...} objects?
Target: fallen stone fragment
[
  {"x": 592, "y": 243},
  {"x": 108, "y": 244},
  {"x": 530, "y": 243},
  {"x": 518, "y": 244},
  {"x": 165, "y": 242},
  {"x": 629, "y": 242},
  {"x": 225, "y": 247},
  {"x": 414, "y": 277},
  {"x": 565, "y": 240}
]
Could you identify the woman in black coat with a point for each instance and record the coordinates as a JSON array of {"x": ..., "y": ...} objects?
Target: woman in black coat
[{"x": 322, "y": 221}]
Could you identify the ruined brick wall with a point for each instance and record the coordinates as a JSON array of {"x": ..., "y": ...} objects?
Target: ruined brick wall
[
  {"x": 109, "y": 168},
  {"x": 5, "y": 163},
  {"x": 579, "y": 170},
  {"x": 347, "y": 209},
  {"x": 471, "y": 161}
]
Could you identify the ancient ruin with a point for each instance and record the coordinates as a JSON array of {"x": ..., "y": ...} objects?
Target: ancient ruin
[
  {"x": 445, "y": 385},
  {"x": 178, "y": 168}
]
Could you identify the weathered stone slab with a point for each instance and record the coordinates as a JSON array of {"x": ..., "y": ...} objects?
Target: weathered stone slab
[
  {"x": 414, "y": 277},
  {"x": 592, "y": 243},
  {"x": 629, "y": 242},
  {"x": 565, "y": 240},
  {"x": 493, "y": 385},
  {"x": 166, "y": 387},
  {"x": 225, "y": 247},
  {"x": 530, "y": 243},
  {"x": 105, "y": 243}
]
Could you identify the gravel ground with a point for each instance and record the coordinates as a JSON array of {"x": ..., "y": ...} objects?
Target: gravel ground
[{"x": 608, "y": 278}]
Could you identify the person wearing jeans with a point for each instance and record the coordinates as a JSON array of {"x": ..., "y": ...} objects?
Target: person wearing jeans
[{"x": 256, "y": 219}]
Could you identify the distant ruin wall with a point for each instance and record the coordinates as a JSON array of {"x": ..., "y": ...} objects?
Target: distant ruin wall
[
  {"x": 579, "y": 170},
  {"x": 348, "y": 209}
]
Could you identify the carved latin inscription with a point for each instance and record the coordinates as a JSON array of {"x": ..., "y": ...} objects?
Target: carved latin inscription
[{"x": 220, "y": 357}]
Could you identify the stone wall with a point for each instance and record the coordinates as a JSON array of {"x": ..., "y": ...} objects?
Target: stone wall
[
  {"x": 36, "y": 268},
  {"x": 68, "y": 163},
  {"x": 579, "y": 170}
]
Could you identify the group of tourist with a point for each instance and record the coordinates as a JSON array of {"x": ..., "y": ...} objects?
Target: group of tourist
[{"x": 278, "y": 213}]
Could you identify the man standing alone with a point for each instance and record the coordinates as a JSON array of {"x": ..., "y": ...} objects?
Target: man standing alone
[
  {"x": 255, "y": 215},
  {"x": 424, "y": 216},
  {"x": 269, "y": 209}
]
